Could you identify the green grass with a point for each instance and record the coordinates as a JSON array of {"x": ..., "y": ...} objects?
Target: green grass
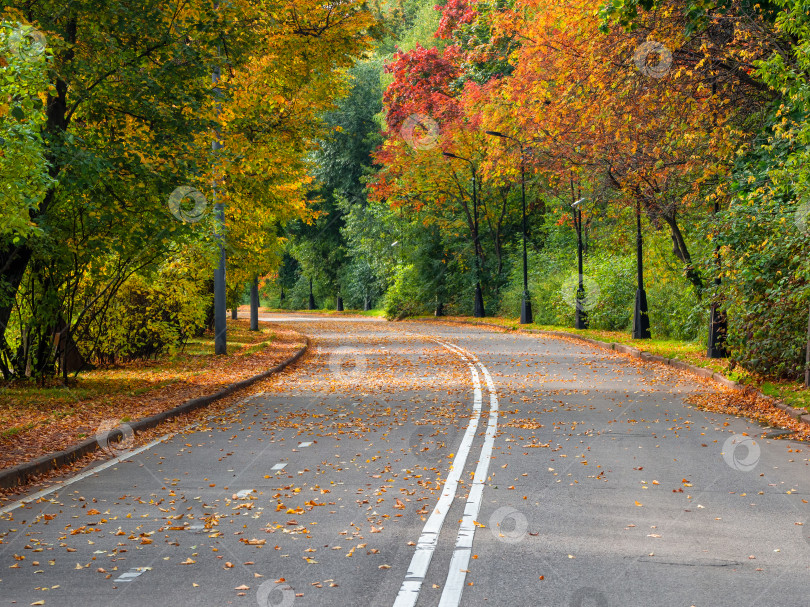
[
  {"x": 377, "y": 313},
  {"x": 54, "y": 401},
  {"x": 8, "y": 433},
  {"x": 260, "y": 346}
]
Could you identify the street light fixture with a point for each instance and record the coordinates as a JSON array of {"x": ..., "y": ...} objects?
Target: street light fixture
[
  {"x": 718, "y": 323},
  {"x": 581, "y": 313},
  {"x": 641, "y": 318},
  {"x": 526, "y": 302},
  {"x": 478, "y": 304}
]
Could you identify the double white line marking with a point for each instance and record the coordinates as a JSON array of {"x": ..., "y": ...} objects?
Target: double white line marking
[{"x": 417, "y": 571}]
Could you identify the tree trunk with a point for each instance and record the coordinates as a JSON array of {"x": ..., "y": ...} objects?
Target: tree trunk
[
  {"x": 13, "y": 263},
  {"x": 682, "y": 252}
]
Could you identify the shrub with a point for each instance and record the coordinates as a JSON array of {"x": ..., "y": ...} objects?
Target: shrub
[{"x": 148, "y": 317}]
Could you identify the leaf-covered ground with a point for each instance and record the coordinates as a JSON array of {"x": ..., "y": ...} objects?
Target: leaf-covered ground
[
  {"x": 728, "y": 402},
  {"x": 38, "y": 420}
]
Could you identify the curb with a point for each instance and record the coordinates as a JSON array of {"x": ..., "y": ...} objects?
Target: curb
[
  {"x": 800, "y": 415},
  {"x": 20, "y": 474}
]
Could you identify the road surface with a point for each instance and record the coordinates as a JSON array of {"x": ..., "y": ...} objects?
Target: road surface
[{"x": 433, "y": 464}]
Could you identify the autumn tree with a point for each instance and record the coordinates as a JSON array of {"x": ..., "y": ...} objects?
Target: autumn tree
[
  {"x": 645, "y": 110},
  {"x": 130, "y": 113}
]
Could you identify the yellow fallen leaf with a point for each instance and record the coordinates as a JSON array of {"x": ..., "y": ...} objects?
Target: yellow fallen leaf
[{"x": 638, "y": 503}]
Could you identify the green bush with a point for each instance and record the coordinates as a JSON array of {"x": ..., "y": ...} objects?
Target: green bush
[
  {"x": 404, "y": 297},
  {"x": 616, "y": 278},
  {"x": 610, "y": 283},
  {"x": 149, "y": 316}
]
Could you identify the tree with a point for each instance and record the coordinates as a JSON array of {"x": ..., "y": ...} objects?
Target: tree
[{"x": 129, "y": 117}]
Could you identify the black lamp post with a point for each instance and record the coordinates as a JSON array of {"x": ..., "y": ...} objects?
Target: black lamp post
[
  {"x": 718, "y": 324},
  {"x": 478, "y": 305},
  {"x": 254, "y": 304},
  {"x": 220, "y": 323},
  {"x": 311, "y": 297},
  {"x": 581, "y": 313},
  {"x": 641, "y": 318},
  {"x": 526, "y": 303}
]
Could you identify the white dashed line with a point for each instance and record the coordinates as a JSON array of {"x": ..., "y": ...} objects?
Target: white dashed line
[
  {"x": 304, "y": 444},
  {"x": 132, "y": 574},
  {"x": 278, "y": 467}
]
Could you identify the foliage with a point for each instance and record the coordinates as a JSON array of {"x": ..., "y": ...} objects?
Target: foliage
[
  {"x": 149, "y": 316},
  {"x": 23, "y": 167},
  {"x": 130, "y": 115}
]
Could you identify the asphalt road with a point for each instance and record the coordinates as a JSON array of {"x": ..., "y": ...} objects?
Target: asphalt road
[{"x": 425, "y": 464}]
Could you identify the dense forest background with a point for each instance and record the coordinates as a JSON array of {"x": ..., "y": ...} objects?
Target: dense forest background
[
  {"x": 692, "y": 113},
  {"x": 334, "y": 169}
]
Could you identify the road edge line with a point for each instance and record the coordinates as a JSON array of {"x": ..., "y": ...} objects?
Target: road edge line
[{"x": 22, "y": 473}]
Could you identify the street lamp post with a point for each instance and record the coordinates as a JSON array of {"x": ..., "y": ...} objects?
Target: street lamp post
[
  {"x": 718, "y": 324},
  {"x": 220, "y": 323},
  {"x": 641, "y": 318},
  {"x": 478, "y": 304},
  {"x": 254, "y": 304},
  {"x": 526, "y": 302},
  {"x": 311, "y": 297},
  {"x": 581, "y": 312}
]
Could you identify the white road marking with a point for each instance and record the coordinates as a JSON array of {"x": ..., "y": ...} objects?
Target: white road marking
[
  {"x": 132, "y": 574},
  {"x": 278, "y": 467},
  {"x": 28, "y": 499},
  {"x": 456, "y": 576},
  {"x": 425, "y": 546},
  {"x": 304, "y": 444},
  {"x": 34, "y": 497}
]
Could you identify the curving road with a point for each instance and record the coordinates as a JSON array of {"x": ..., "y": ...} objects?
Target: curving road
[{"x": 432, "y": 464}]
